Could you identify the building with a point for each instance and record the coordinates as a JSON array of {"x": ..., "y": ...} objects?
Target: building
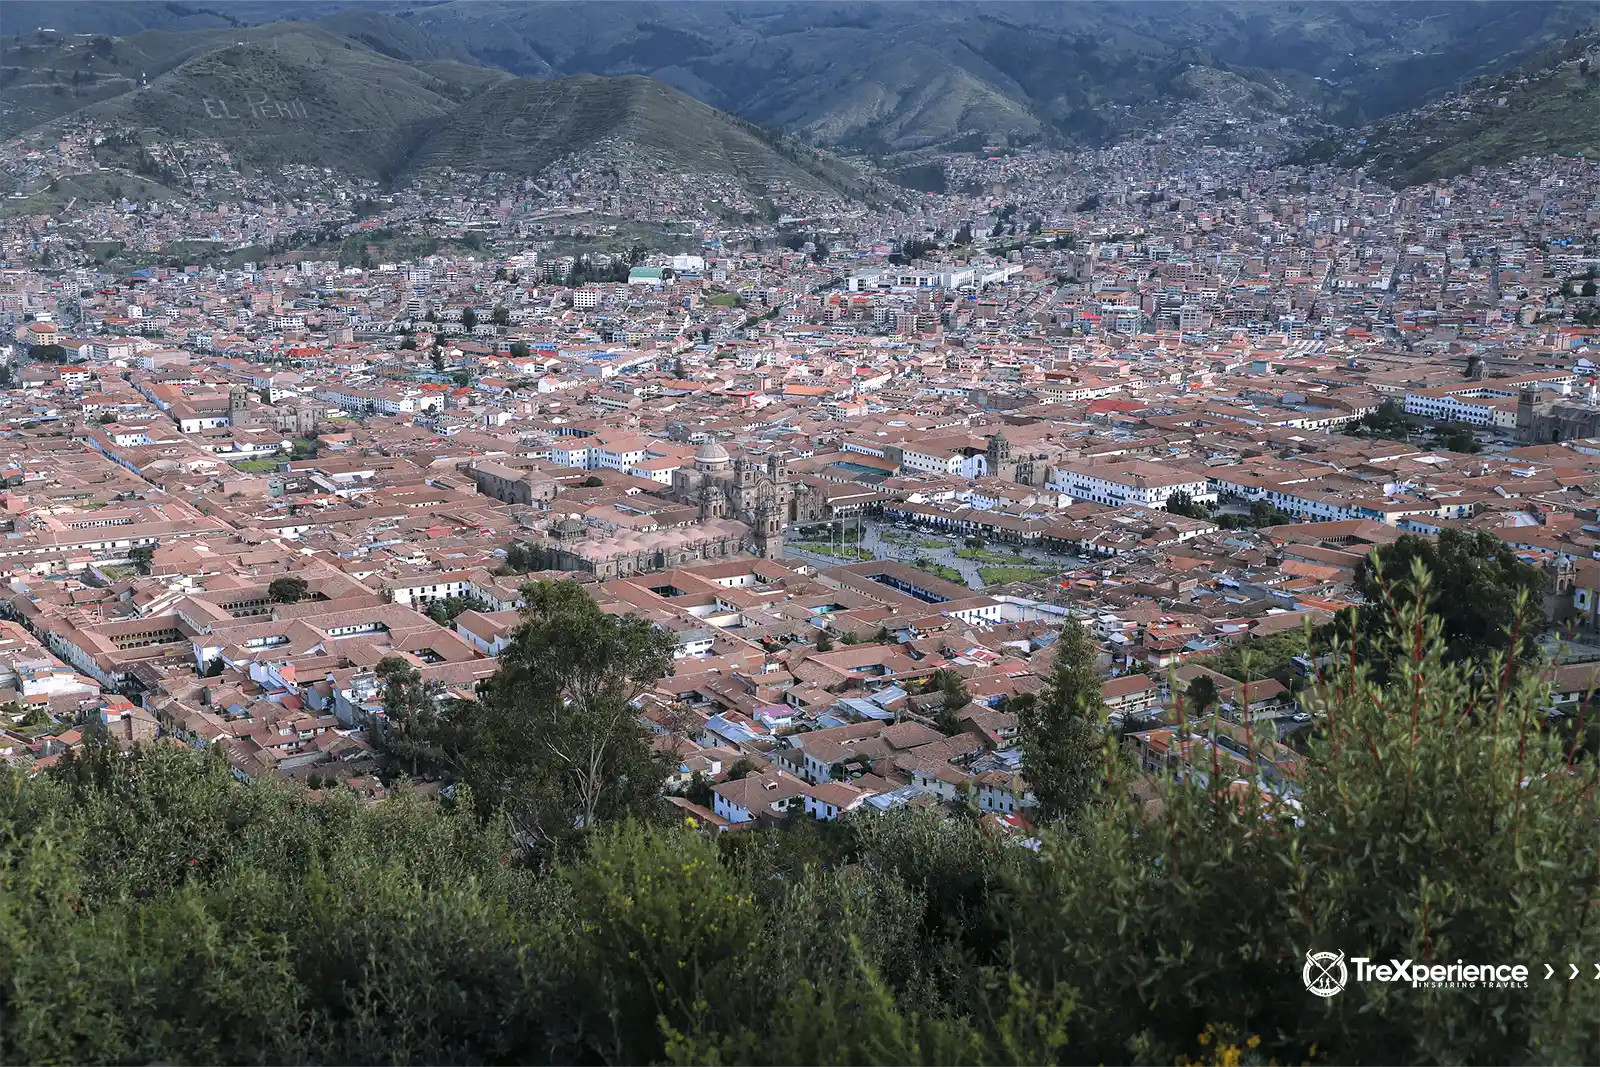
[{"x": 743, "y": 490}]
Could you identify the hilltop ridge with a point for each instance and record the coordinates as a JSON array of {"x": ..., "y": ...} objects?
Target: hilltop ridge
[
  {"x": 1547, "y": 106},
  {"x": 303, "y": 94}
]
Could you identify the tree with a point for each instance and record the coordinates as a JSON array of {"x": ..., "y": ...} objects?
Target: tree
[
  {"x": 501, "y": 316},
  {"x": 1060, "y": 731},
  {"x": 1427, "y": 802},
  {"x": 142, "y": 556},
  {"x": 1388, "y": 421},
  {"x": 1487, "y": 601},
  {"x": 408, "y": 344},
  {"x": 953, "y": 687},
  {"x": 444, "y": 612},
  {"x": 519, "y": 350},
  {"x": 1181, "y": 503},
  {"x": 1589, "y": 287},
  {"x": 1458, "y": 439},
  {"x": 518, "y": 560},
  {"x": 469, "y": 320},
  {"x": 1271, "y": 656},
  {"x": 824, "y": 641},
  {"x": 411, "y": 739},
  {"x": 51, "y": 353},
  {"x": 287, "y": 590},
  {"x": 553, "y": 738},
  {"x": 438, "y": 360},
  {"x": 262, "y": 924},
  {"x": 1202, "y": 694},
  {"x": 964, "y": 234},
  {"x": 594, "y": 481}
]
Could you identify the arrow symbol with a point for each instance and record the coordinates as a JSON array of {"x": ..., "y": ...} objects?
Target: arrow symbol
[
  {"x": 1549, "y": 970},
  {"x": 1574, "y": 967}
]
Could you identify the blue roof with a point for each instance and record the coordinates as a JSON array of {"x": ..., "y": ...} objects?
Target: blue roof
[
  {"x": 865, "y": 709},
  {"x": 733, "y": 731}
]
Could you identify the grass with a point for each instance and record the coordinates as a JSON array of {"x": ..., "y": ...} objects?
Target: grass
[
  {"x": 939, "y": 570},
  {"x": 984, "y": 555},
  {"x": 725, "y": 300},
  {"x": 1003, "y": 575},
  {"x": 849, "y": 552},
  {"x": 258, "y": 464}
]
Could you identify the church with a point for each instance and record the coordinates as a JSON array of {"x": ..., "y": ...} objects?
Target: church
[
  {"x": 741, "y": 489},
  {"x": 1563, "y": 419}
]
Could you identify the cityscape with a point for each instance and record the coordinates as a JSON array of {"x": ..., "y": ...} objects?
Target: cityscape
[{"x": 704, "y": 529}]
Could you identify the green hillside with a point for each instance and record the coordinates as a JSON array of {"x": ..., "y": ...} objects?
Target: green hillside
[
  {"x": 298, "y": 98},
  {"x": 522, "y": 126},
  {"x": 388, "y": 107},
  {"x": 1549, "y": 107},
  {"x": 885, "y": 76},
  {"x": 43, "y": 77}
]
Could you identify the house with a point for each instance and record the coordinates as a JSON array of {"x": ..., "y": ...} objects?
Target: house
[
  {"x": 770, "y": 795},
  {"x": 1130, "y": 694}
]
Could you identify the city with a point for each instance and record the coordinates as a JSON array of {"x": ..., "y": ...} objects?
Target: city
[{"x": 851, "y": 495}]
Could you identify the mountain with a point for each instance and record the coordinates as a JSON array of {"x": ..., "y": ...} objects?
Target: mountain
[
  {"x": 384, "y": 101},
  {"x": 887, "y": 76},
  {"x": 884, "y": 78},
  {"x": 874, "y": 77},
  {"x": 301, "y": 95},
  {"x": 1548, "y": 106},
  {"x": 521, "y": 126}
]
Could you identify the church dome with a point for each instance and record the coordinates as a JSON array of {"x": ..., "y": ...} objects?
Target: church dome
[{"x": 710, "y": 454}]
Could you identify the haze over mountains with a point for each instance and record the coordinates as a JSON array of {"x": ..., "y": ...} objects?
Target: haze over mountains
[{"x": 901, "y": 74}]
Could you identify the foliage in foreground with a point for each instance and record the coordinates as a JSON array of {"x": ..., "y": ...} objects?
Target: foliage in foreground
[{"x": 153, "y": 910}]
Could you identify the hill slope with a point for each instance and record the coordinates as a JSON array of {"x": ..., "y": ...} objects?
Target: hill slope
[
  {"x": 888, "y": 75},
  {"x": 302, "y": 96},
  {"x": 521, "y": 126},
  {"x": 298, "y": 93},
  {"x": 1551, "y": 106},
  {"x": 882, "y": 77}
]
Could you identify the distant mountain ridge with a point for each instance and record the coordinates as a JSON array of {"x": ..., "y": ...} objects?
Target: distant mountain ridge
[
  {"x": 878, "y": 78},
  {"x": 1549, "y": 105},
  {"x": 301, "y": 93}
]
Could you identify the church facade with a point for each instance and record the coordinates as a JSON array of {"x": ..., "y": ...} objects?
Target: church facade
[
  {"x": 758, "y": 495},
  {"x": 1550, "y": 422}
]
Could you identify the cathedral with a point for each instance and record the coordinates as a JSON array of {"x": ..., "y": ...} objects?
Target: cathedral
[
  {"x": 1564, "y": 419},
  {"x": 742, "y": 489}
]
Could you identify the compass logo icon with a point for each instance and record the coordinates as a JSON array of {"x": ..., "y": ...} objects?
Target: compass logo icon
[{"x": 1325, "y": 973}]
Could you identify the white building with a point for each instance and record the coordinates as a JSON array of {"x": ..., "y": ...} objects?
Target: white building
[{"x": 1136, "y": 482}]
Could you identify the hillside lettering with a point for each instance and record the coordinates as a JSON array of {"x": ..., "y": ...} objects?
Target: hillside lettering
[{"x": 255, "y": 106}]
